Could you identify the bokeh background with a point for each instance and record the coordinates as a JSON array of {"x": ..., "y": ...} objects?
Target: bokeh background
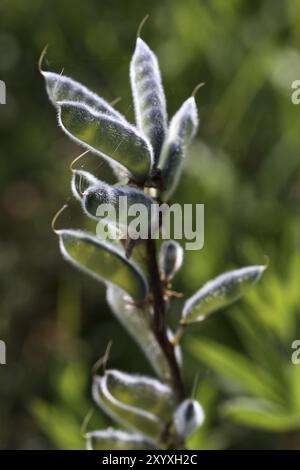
[{"x": 244, "y": 166}]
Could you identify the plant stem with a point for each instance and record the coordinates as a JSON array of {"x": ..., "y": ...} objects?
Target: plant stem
[{"x": 160, "y": 323}]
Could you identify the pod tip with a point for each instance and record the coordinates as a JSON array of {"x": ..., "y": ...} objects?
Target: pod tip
[
  {"x": 58, "y": 213},
  {"x": 77, "y": 158},
  {"x": 86, "y": 421},
  {"x": 42, "y": 56},
  {"x": 197, "y": 87},
  {"x": 102, "y": 361},
  {"x": 139, "y": 30}
]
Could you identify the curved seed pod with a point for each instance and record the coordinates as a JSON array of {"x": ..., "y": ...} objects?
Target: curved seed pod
[
  {"x": 136, "y": 322},
  {"x": 102, "y": 261},
  {"x": 183, "y": 128},
  {"x": 170, "y": 259},
  {"x": 121, "y": 200},
  {"x": 141, "y": 392},
  {"x": 132, "y": 418},
  {"x": 62, "y": 88},
  {"x": 81, "y": 181},
  {"x": 113, "y": 439},
  {"x": 107, "y": 136},
  {"x": 148, "y": 96},
  {"x": 102, "y": 193},
  {"x": 220, "y": 292},
  {"x": 188, "y": 417}
]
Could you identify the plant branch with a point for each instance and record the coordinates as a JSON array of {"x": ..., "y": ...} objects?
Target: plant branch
[{"x": 159, "y": 321}]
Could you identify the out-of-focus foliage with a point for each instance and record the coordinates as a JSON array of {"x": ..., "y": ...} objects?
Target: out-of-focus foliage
[{"x": 244, "y": 166}]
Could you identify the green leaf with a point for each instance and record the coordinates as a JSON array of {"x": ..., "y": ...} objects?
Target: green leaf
[
  {"x": 59, "y": 425},
  {"x": 148, "y": 96},
  {"x": 141, "y": 392},
  {"x": 183, "y": 128},
  {"x": 131, "y": 417},
  {"x": 102, "y": 261},
  {"x": 111, "y": 138},
  {"x": 236, "y": 368},
  {"x": 112, "y": 439},
  {"x": 137, "y": 321},
  {"x": 220, "y": 292},
  {"x": 267, "y": 352},
  {"x": 260, "y": 414},
  {"x": 62, "y": 88}
]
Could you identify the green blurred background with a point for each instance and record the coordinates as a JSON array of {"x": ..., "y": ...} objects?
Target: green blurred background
[{"x": 244, "y": 166}]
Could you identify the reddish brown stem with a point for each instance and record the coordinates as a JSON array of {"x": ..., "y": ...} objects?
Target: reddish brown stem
[{"x": 159, "y": 321}]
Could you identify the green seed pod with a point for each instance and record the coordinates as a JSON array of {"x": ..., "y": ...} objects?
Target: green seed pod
[
  {"x": 137, "y": 322},
  {"x": 131, "y": 417},
  {"x": 182, "y": 129},
  {"x": 170, "y": 259},
  {"x": 220, "y": 292},
  {"x": 113, "y": 439},
  {"x": 141, "y": 392},
  {"x": 81, "y": 181},
  {"x": 62, "y": 88},
  {"x": 188, "y": 417},
  {"x": 148, "y": 96},
  {"x": 102, "y": 261},
  {"x": 102, "y": 193},
  {"x": 107, "y": 136}
]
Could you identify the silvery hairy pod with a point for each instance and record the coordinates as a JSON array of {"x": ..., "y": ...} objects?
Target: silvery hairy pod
[
  {"x": 128, "y": 208},
  {"x": 142, "y": 392},
  {"x": 220, "y": 292},
  {"x": 188, "y": 417},
  {"x": 118, "y": 141},
  {"x": 62, "y": 88},
  {"x": 170, "y": 259},
  {"x": 137, "y": 322},
  {"x": 148, "y": 96},
  {"x": 81, "y": 181},
  {"x": 129, "y": 416},
  {"x": 182, "y": 129},
  {"x": 113, "y": 439},
  {"x": 102, "y": 261}
]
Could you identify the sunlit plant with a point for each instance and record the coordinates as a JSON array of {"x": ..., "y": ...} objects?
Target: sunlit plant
[{"x": 147, "y": 159}]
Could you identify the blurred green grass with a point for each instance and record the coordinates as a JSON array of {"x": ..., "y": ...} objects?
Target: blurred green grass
[{"x": 244, "y": 167}]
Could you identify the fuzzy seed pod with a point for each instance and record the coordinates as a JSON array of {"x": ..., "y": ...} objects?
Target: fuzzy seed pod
[
  {"x": 102, "y": 261},
  {"x": 81, "y": 181},
  {"x": 148, "y": 96},
  {"x": 113, "y": 439},
  {"x": 62, "y": 88},
  {"x": 131, "y": 417},
  {"x": 107, "y": 136},
  {"x": 188, "y": 417},
  {"x": 182, "y": 130},
  {"x": 142, "y": 392},
  {"x": 102, "y": 193},
  {"x": 170, "y": 259},
  {"x": 220, "y": 292},
  {"x": 137, "y": 322}
]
